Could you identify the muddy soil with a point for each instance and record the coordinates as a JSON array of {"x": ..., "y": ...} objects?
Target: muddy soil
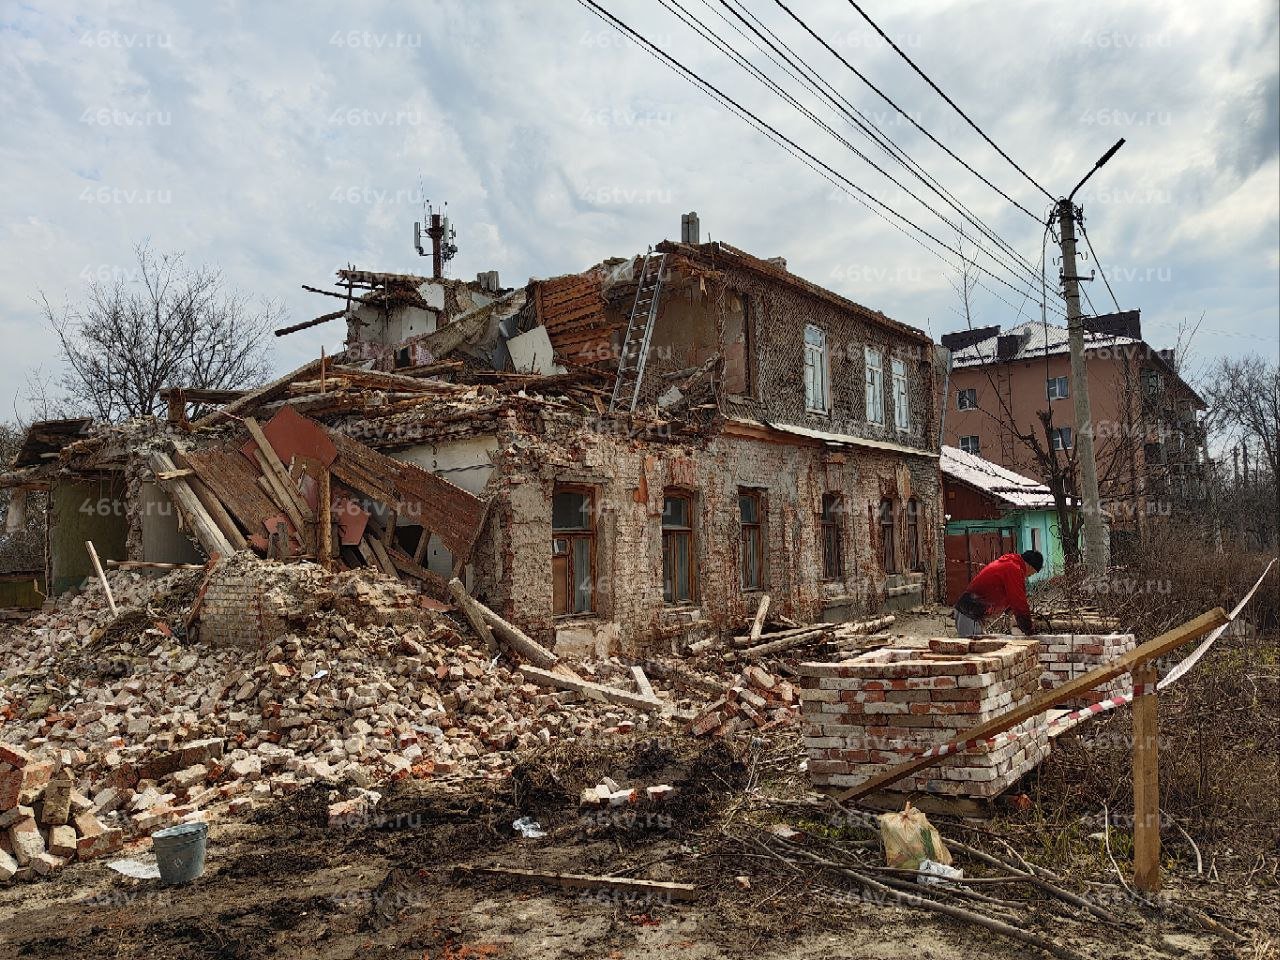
[{"x": 286, "y": 885}]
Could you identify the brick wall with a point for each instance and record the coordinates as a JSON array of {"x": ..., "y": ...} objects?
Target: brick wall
[
  {"x": 629, "y": 476},
  {"x": 868, "y": 714},
  {"x": 238, "y": 612}
]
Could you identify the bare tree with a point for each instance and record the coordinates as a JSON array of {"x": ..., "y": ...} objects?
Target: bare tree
[
  {"x": 172, "y": 326},
  {"x": 1244, "y": 412}
]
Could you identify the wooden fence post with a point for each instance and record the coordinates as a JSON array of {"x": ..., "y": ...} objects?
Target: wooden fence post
[{"x": 1146, "y": 783}]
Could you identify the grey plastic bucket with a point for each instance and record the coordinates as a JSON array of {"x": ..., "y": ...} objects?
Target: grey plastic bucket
[{"x": 180, "y": 852}]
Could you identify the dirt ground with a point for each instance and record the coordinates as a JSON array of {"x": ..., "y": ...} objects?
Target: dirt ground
[{"x": 285, "y": 884}]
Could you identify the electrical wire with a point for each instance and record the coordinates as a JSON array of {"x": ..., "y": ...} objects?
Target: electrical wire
[
  {"x": 938, "y": 90},
  {"x": 790, "y": 145},
  {"x": 910, "y": 119},
  {"x": 719, "y": 42},
  {"x": 1101, "y": 272}
]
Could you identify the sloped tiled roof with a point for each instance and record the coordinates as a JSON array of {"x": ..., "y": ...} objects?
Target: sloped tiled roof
[{"x": 1013, "y": 489}]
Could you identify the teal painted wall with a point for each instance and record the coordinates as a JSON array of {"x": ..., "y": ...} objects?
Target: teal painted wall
[{"x": 1022, "y": 523}]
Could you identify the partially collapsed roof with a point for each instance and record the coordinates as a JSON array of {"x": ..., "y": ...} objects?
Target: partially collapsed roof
[{"x": 1012, "y": 489}]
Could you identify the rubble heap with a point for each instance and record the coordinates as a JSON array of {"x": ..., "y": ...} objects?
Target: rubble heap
[{"x": 150, "y": 727}]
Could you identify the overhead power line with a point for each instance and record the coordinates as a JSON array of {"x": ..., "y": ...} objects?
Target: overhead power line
[
  {"x": 1101, "y": 272},
  {"x": 910, "y": 119},
  {"x": 719, "y": 42},
  {"x": 954, "y": 106},
  {"x": 792, "y": 147}
]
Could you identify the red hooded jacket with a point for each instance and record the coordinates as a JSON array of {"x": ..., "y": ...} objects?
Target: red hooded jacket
[{"x": 1002, "y": 585}]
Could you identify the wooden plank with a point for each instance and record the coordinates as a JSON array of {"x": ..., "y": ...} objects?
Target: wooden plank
[
  {"x": 276, "y": 467},
  {"x": 516, "y": 639},
  {"x": 218, "y": 513},
  {"x": 202, "y": 525},
  {"x": 786, "y": 643},
  {"x": 1146, "y": 783},
  {"x": 420, "y": 550},
  {"x": 102, "y": 578},
  {"x": 467, "y": 605},
  {"x": 1037, "y": 705},
  {"x": 758, "y": 626},
  {"x": 324, "y": 504},
  {"x": 150, "y": 565},
  {"x": 595, "y": 691},
  {"x": 654, "y": 890},
  {"x": 380, "y": 552},
  {"x": 271, "y": 485},
  {"x": 642, "y": 682}
]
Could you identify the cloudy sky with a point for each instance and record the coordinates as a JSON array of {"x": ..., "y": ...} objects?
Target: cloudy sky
[{"x": 282, "y": 140}]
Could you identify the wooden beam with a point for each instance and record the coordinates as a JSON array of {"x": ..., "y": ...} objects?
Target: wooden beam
[
  {"x": 594, "y": 691},
  {"x": 420, "y": 550},
  {"x": 517, "y": 640},
  {"x": 102, "y": 578},
  {"x": 758, "y": 626},
  {"x": 1146, "y": 783},
  {"x": 1038, "y": 704},
  {"x": 202, "y": 525},
  {"x": 274, "y": 490},
  {"x": 468, "y": 606},
  {"x": 651, "y": 890},
  {"x": 217, "y": 512},
  {"x": 786, "y": 643},
  {"x": 150, "y": 565},
  {"x": 380, "y": 552},
  {"x": 642, "y": 682},
  {"x": 325, "y": 520},
  {"x": 278, "y": 468}
]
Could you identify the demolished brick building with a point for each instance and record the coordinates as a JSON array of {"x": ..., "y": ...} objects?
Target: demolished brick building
[{"x": 616, "y": 460}]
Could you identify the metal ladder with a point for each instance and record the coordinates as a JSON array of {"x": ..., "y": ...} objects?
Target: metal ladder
[{"x": 635, "y": 347}]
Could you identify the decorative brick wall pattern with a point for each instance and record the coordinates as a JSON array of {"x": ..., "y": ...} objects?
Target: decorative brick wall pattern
[
  {"x": 1065, "y": 656},
  {"x": 865, "y": 715}
]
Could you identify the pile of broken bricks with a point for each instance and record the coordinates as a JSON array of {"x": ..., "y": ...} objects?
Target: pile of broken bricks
[
  {"x": 755, "y": 700},
  {"x": 45, "y": 822}
]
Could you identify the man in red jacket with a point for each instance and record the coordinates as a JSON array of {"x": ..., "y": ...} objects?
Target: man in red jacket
[{"x": 999, "y": 586}]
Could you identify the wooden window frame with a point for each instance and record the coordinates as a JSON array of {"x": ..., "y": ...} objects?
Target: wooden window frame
[
  {"x": 831, "y": 528},
  {"x": 817, "y": 358},
  {"x": 888, "y": 535},
  {"x": 571, "y": 536},
  {"x": 670, "y": 533},
  {"x": 915, "y": 555},
  {"x": 874, "y": 373},
  {"x": 901, "y": 395},
  {"x": 761, "y": 532}
]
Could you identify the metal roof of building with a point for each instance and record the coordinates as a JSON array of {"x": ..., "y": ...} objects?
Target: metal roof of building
[{"x": 1012, "y": 488}]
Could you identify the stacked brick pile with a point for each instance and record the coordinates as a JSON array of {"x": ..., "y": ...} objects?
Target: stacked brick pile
[
  {"x": 44, "y": 820},
  {"x": 865, "y": 715},
  {"x": 755, "y": 700},
  {"x": 1065, "y": 656}
]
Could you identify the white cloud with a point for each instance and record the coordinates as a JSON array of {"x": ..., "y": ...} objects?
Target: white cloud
[{"x": 284, "y": 140}]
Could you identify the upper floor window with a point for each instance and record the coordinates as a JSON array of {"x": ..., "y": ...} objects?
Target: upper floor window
[
  {"x": 967, "y": 399},
  {"x": 970, "y": 444},
  {"x": 751, "y": 548},
  {"x": 573, "y": 550},
  {"x": 901, "y": 412},
  {"x": 815, "y": 369},
  {"x": 1062, "y": 438},
  {"x": 679, "y": 562},
  {"x": 1057, "y": 389},
  {"x": 875, "y": 386}
]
